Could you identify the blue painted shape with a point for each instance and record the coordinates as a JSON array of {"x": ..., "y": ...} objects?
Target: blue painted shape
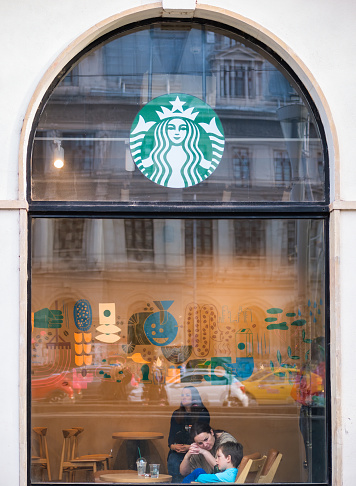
[
  {"x": 163, "y": 304},
  {"x": 243, "y": 368},
  {"x": 82, "y": 315},
  {"x": 161, "y": 327}
]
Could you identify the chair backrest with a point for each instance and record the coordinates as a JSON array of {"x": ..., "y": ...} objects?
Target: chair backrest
[
  {"x": 250, "y": 468},
  {"x": 43, "y": 449},
  {"x": 269, "y": 470}
]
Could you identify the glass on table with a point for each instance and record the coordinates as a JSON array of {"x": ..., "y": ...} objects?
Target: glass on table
[
  {"x": 154, "y": 470},
  {"x": 141, "y": 464}
]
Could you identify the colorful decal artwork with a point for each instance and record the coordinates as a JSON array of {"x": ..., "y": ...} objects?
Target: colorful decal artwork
[
  {"x": 161, "y": 327},
  {"x": 107, "y": 326},
  {"x": 82, "y": 314},
  {"x": 48, "y": 319},
  {"x": 177, "y": 140}
]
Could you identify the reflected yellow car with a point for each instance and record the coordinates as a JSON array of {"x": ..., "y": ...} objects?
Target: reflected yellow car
[{"x": 274, "y": 387}]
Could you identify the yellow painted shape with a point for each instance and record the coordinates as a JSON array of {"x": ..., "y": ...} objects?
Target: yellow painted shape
[
  {"x": 78, "y": 337},
  {"x": 78, "y": 348},
  {"x": 87, "y": 348},
  {"x": 87, "y": 337}
]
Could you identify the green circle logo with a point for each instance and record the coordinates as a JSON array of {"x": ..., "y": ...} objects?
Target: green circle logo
[{"x": 177, "y": 140}]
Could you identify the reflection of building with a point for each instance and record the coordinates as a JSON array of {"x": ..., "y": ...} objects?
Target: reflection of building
[{"x": 245, "y": 89}]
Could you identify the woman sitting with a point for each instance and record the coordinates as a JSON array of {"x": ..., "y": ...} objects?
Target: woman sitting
[
  {"x": 190, "y": 412},
  {"x": 202, "y": 452}
]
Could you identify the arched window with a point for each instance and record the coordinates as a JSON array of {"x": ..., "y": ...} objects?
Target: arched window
[{"x": 178, "y": 182}]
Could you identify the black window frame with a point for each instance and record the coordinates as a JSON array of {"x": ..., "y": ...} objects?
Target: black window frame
[{"x": 186, "y": 210}]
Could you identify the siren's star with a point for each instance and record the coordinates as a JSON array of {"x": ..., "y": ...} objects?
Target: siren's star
[
  {"x": 211, "y": 127},
  {"x": 177, "y": 104},
  {"x": 142, "y": 126}
]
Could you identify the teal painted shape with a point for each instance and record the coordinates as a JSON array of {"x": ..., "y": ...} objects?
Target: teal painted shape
[
  {"x": 271, "y": 365},
  {"x": 291, "y": 314},
  {"x": 299, "y": 322},
  {"x": 224, "y": 362},
  {"x": 279, "y": 357},
  {"x": 289, "y": 351},
  {"x": 295, "y": 357},
  {"x": 274, "y": 310},
  {"x": 48, "y": 319},
  {"x": 271, "y": 319},
  {"x": 281, "y": 326}
]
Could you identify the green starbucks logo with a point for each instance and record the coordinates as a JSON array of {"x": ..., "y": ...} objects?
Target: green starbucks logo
[{"x": 177, "y": 140}]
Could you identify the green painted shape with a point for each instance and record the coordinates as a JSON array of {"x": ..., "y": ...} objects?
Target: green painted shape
[
  {"x": 241, "y": 346},
  {"x": 289, "y": 351},
  {"x": 271, "y": 365},
  {"x": 295, "y": 357},
  {"x": 107, "y": 375},
  {"x": 275, "y": 310},
  {"x": 271, "y": 319},
  {"x": 107, "y": 313},
  {"x": 291, "y": 314},
  {"x": 299, "y": 322},
  {"x": 282, "y": 326},
  {"x": 279, "y": 357},
  {"x": 280, "y": 374}
]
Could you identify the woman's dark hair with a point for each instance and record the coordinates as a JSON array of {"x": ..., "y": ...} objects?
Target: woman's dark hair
[
  {"x": 199, "y": 428},
  {"x": 197, "y": 407}
]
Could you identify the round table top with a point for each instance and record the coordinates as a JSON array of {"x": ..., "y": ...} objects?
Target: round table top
[
  {"x": 137, "y": 435},
  {"x": 132, "y": 477}
]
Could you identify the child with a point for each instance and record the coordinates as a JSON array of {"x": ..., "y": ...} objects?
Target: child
[{"x": 228, "y": 458}]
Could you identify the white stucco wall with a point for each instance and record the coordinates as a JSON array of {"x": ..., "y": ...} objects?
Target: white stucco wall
[{"x": 316, "y": 37}]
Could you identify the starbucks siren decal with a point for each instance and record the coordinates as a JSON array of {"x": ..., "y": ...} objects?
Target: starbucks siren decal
[{"x": 177, "y": 140}]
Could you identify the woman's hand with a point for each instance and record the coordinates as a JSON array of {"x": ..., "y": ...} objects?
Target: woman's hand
[
  {"x": 180, "y": 448},
  {"x": 194, "y": 449}
]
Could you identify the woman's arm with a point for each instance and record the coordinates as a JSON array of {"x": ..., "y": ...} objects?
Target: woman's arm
[{"x": 185, "y": 467}]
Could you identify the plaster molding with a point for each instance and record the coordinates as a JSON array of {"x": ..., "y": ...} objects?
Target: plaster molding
[
  {"x": 343, "y": 205},
  {"x": 185, "y": 9},
  {"x": 14, "y": 204}
]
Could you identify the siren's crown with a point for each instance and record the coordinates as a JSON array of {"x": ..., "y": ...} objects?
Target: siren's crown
[{"x": 177, "y": 111}]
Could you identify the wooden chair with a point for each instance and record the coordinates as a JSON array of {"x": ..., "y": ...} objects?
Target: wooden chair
[
  {"x": 269, "y": 470},
  {"x": 70, "y": 462},
  {"x": 250, "y": 468},
  {"x": 104, "y": 458},
  {"x": 42, "y": 460}
]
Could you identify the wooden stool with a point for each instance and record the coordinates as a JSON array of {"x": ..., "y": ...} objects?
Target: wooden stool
[{"x": 42, "y": 460}]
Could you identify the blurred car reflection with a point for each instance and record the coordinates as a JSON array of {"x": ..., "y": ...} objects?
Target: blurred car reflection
[
  {"x": 273, "y": 387},
  {"x": 213, "y": 393},
  {"x": 53, "y": 388}
]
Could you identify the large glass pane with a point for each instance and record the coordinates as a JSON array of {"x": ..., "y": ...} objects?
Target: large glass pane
[
  {"x": 128, "y": 313},
  {"x": 269, "y": 146}
]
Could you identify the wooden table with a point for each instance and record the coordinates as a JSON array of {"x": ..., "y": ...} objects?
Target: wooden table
[
  {"x": 132, "y": 477},
  {"x": 133, "y": 444},
  {"x": 137, "y": 435}
]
